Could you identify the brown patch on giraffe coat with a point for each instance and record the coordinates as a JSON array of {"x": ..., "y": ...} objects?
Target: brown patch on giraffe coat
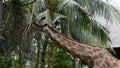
[
  {"x": 90, "y": 53},
  {"x": 97, "y": 62},
  {"x": 107, "y": 63},
  {"x": 69, "y": 44},
  {"x": 80, "y": 48},
  {"x": 101, "y": 54},
  {"x": 106, "y": 58},
  {"x": 111, "y": 59},
  {"x": 95, "y": 57},
  {"x": 65, "y": 39},
  {"x": 88, "y": 47},
  {"x": 58, "y": 36},
  {"x": 86, "y": 58},
  {"x": 96, "y": 49},
  {"x": 74, "y": 43},
  {"x": 115, "y": 64},
  {"x": 103, "y": 65},
  {"x": 77, "y": 49}
]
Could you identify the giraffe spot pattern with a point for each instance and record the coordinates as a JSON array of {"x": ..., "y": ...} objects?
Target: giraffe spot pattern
[
  {"x": 101, "y": 54},
  {"x": 93, "y": 55}
]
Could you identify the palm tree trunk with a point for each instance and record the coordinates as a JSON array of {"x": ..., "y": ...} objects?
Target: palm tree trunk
[
  {"x": 1, "y": 6},
  {"x": 17, "y": 30},
  {"x": 44, "y": 53},
  {"x": 50, "y": 57},
  {"x": 38, "y": 56},
  {"x": 38, "y": 52}
]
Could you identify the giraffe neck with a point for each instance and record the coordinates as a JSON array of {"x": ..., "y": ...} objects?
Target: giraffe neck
[
  {"x": 95, "y": 56},
  {"x": 82, "y": 51}
]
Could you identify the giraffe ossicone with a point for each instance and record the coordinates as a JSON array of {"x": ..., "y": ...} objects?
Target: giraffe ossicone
[{"x": 94, "y": 56}]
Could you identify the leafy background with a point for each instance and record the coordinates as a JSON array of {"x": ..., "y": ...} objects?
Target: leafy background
[{"x": 24, "y": 46}]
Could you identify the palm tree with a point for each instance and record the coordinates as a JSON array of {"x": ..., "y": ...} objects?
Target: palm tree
[
  {"x": 1, "y": 5},
  {"x": 14, "y": 38}
]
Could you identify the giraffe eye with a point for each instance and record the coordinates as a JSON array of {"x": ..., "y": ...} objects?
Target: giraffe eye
[{"x": 43, "y": 18}]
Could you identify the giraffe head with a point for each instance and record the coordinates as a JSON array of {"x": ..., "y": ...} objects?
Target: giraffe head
[{"x": 40, "y": 23}]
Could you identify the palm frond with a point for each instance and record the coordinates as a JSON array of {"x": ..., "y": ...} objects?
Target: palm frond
[
  {"x": 92, "y": 33},
  {"x": 82, "y": 24},
  {"x": 101, "y": 8}
]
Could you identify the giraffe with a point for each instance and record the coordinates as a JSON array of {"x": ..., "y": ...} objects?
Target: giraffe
[{"x": 94, "y": 56}]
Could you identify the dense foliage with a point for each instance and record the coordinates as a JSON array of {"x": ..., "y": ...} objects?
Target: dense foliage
[{"x": 23, "y": 46}]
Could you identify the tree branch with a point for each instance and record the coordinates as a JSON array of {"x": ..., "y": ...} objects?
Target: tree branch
[{"x": 29, "y": 3}]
